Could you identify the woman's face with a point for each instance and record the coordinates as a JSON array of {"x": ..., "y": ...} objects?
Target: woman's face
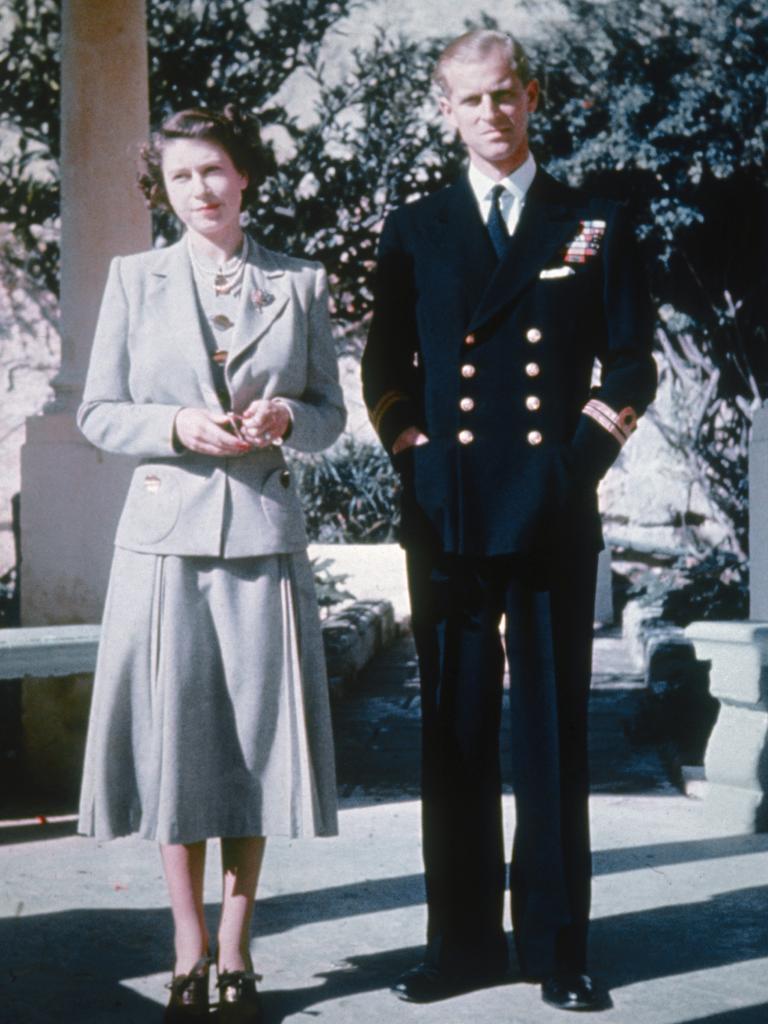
[{"x": 204, "y": 187}]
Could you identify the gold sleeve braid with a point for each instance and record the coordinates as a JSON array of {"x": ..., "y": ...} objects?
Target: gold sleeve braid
[
  {"x": 620, "y": 425},
  {"x": 384, "y": 404}
]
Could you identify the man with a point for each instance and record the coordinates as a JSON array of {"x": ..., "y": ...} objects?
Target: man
[{"x": 493, "y": 298}]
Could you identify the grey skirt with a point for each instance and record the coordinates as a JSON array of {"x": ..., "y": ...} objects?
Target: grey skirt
[{"x": 210, "y": 708}]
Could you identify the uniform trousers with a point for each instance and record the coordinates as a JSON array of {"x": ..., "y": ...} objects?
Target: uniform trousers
[{"x": 457, "y": 606}]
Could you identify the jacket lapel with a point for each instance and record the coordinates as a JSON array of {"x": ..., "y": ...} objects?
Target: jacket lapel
[
  {"x": 173, "y": 295},
  {"x": 546, "y": 222},
  {"x": 265, "y": 296},
  {"x": 465, "y": 247}
]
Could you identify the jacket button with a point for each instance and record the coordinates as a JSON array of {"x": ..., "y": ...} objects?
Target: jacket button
[
  {"x": 534, "y": 437},
  {"x": 532, "y": 369},
  {"x": 468, "y": 370},
  {"x": 467, "y": 404},
  {"x": 466, "y": 436},
  {"x": 470, "y": 339},
  {"x": 285, "y": 478},
  {"x": 533, "y": 403},
  {"x": 533, "y": 334}
]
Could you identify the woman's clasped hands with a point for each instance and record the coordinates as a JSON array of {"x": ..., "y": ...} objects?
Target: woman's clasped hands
[
  {"x": 266, "y": 421},
  {"x": 263, "y": 423}
]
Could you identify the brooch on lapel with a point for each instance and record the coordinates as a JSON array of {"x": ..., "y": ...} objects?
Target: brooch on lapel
[
  {"x": 261, "y": 299},
  {"x": 586, "y": 244}
]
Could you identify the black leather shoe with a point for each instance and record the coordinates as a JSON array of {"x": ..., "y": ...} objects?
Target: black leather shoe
[
  {"x": 239, "y": 1001},
  {"x": 426, "y": 983},
  {"x": 574, "y": 992},
  {"x": 189, "y": 995}
]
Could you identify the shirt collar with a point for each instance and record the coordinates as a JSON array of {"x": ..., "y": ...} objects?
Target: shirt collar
[{"x": 518, "y": 182}]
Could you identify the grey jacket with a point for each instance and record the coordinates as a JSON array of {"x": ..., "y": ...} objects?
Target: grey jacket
[{"x": 149, "y": 360}]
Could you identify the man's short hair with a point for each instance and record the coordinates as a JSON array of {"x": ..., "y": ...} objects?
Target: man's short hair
[{"x": 474, "y": 46}]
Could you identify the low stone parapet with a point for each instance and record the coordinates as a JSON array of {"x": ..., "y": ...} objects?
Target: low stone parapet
[
  {"x": 57, "y": 664},
  {"x": 736, "y": 761}
]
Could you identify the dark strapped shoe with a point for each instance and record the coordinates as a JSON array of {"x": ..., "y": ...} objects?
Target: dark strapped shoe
[
  {"x": 239, "y": 1002},
  {"x": 189, "y": 995},
  {"x": 574, "y": 992}
]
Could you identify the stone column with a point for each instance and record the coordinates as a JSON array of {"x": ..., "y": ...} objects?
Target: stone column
[
  {"x": 758, "y": 520},
  {"x": 736, "y": 761},
  {"x": 71, "y": 493}
]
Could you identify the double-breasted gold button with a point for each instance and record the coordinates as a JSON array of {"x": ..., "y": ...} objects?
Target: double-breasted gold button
[
  {"x": 470, "y": 339},
  {"x": 534, "y": 437},
  {"x": 468, "y": 370},
  {"x": 467, "y": 404},
  {"x": 533, "y": 335},
  {"x": 533, "y": 403},
  {"x": 466, "y": 437},
  {"x": 532, "y": 369}
]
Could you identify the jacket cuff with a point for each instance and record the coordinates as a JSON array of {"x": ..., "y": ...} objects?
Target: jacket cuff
[
  {"x": 594, "y": 450},
  {"x": 289, "y": 428},
  {"x": 394, "y": 412},
  {"x": 620, "y": 425}
]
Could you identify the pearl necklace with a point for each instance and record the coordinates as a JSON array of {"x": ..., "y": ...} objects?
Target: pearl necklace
[{"x": 228, "y": 276}]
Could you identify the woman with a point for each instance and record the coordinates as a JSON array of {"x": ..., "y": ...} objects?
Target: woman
[{"x": 210, "y": 711}]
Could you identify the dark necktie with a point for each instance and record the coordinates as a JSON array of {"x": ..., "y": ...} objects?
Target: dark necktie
[{"x": 497, "y": 228}]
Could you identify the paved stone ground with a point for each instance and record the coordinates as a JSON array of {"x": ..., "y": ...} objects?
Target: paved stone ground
[{"x": 680, "y": 928}]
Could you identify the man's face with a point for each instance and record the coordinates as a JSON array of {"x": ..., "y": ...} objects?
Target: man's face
[{"x": 489, "y": 107}]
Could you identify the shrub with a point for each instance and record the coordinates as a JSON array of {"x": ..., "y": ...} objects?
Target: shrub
[
  {"x": 714, "y": 587},
  {"x": 329, "y": 585},
  {"x": 350, "y": 494}
]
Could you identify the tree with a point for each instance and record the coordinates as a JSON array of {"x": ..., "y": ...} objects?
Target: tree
[{"x": 29, "y": 145}]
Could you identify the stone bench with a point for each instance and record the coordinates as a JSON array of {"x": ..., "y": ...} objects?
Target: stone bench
[
  {"x": 351, "y": 638},
  {"x": 45, "y": 651}
]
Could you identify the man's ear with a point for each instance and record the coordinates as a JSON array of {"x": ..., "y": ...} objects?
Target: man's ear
[
  {"x": 446, "y": 108},
  {"x": 533, "y": 93}
]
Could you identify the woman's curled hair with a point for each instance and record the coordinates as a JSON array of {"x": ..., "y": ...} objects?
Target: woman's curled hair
[{"x": 237, "y": 133}]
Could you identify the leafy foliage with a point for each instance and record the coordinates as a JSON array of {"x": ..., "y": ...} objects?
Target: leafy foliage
[
  {"x": 712, "y": 587},
  {"x": 329, "y": 585},
  {"x": 29, "y": 153},
  {"x": 349, "y": 495},
  {"x": 375, "y": 145}
]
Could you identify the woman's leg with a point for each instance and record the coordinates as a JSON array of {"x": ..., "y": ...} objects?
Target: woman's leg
[
  {"x": 240, "y": 864},
  {"x": 184, "y": 866}
]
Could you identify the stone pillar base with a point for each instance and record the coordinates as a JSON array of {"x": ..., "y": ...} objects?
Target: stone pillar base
[
  {"x": 736, "y": 761},
  {"x": 735, "y": 809},
  {"x": 72, "y": 495}
]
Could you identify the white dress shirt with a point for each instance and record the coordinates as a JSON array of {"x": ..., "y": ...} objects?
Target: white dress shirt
[{"x": 512, "y": 199}]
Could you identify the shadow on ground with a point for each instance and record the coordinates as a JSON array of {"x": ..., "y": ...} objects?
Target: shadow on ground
[{"x": 57, "y": 964}]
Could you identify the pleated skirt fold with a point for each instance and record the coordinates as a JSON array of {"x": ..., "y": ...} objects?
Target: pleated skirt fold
[{"x": 210, "y": 711}]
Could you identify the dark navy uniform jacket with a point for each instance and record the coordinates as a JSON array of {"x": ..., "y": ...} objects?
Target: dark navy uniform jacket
[{"x": 493, "y": 360}]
